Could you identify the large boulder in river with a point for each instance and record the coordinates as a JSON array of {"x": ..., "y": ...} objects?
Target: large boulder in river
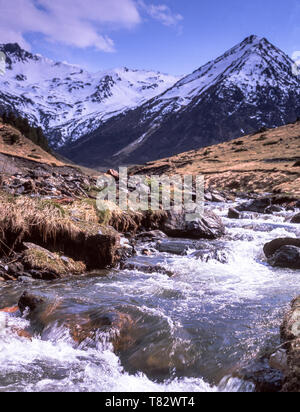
[
  {"x": 84, "y": 326},
  {"x": 256, "y": 206},
  {"x": 209, "y": 226},
  {"x": 286, "y": 257},
  {"x": 233, "y": 213},
  {"x": 271, "y": 247}
]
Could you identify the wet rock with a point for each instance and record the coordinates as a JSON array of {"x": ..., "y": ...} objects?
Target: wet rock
[
  {"x": 25, "y": 279},
  {"x": 147, "y": 252},
  {"x": 150, "y": 236},
  {"x": 218, "y": 198},
  {"x": 205, "y": 255},
  {"x": 31, "y": 301},
  {"x": 271, "y": 247},
  {"x": 296, "y": 219},
  {"x": 146, "y": 267},
  {"x": 268, "y": 204},
  {"x": 257, "y": 205},
  {"x": 279, "y": 361},
  {"x": 286, "y": 257},
  {"x": 16, "y": 269},
  {"x": 209, "y": 226},
  {"x": 290, "y": 333},
  {"x": 86, "y": 327},
  {"x": 208, "y": 197},
  {"x": 175, "y": 248},
  {"x": 265, "y": 378},
  {"x": 233, "y": 213},
  {"x": 274, "y": 209}
]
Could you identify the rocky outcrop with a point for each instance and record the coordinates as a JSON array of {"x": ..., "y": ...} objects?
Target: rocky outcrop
[
  {"x": 209, "y": 226},
  {"x": 269, "y": 204},
  {"x": 290, "y": 332}
]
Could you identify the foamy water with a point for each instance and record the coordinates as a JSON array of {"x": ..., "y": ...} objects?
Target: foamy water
[{"x": 192, "y": 332}]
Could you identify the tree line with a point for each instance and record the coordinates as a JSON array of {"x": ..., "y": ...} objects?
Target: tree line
[{"x": 35, "y": 134}]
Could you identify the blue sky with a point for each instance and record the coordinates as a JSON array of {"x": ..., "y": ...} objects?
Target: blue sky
[{"x": 172, "y": 36}]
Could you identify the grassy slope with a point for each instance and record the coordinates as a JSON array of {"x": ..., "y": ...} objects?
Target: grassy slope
[
  {"x": 23, "y": 147},
  {"x": 261, "y": 162}
]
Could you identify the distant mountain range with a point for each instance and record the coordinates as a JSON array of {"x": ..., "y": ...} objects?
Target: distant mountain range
[
  {"x": 131, "y": 117},
  {"x": 67, "y": 101}
]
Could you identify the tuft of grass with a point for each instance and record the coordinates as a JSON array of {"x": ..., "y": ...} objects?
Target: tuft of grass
[{"x": 21, "y": 216}]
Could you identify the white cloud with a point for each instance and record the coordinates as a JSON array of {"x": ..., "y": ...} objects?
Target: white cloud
[
  {"x": 79, "y": 23},
  {"x": 162, "y": 13},
  {"x": 72, "y": 22}
]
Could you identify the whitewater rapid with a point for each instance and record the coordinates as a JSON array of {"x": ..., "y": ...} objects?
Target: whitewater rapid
[{"x": 193, "y": 331}]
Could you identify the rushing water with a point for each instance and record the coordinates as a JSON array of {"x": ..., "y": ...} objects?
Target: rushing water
[{"x": 191, "y": 332}]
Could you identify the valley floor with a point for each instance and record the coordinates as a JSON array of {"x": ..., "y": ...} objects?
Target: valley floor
[{"x": 143, "y": 301}]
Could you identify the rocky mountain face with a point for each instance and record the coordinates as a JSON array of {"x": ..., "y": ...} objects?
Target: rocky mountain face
[
  {"x": 250, "y": 86},
  {"x": 67, "y": 101}
]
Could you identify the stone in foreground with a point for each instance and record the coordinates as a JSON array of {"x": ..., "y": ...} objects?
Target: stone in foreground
[{"x": 209, "y": 226}]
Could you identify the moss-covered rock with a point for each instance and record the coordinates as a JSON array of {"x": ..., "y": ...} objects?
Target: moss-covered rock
[{"x": 49, "y": 265}]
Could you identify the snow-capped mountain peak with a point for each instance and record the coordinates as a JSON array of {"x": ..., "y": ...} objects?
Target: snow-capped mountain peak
[
  {"x": 250, "y": 86},
  {"x": 252, "y": 62},
  {"x": 68, "y": 101}
]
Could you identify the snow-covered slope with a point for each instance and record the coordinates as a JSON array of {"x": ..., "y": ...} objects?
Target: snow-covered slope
[
  {"x": 250, "y": 86},
  {"x": 253, "y": 64},
  {"x": 68, "y": 101}
]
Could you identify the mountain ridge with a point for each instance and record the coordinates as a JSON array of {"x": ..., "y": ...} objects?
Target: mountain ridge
[
  {"x": 250, "y": 86},
  {"x": 68, "y": 101}
]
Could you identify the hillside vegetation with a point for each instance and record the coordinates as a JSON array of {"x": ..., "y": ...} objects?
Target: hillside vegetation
[{"x": 267, "y": 161}]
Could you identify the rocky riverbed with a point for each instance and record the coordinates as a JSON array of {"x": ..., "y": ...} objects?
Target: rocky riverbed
[{"x": 145, "y": 301}]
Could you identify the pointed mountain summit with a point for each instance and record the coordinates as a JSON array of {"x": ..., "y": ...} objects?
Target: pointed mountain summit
[{"x": 250, "y": 86}]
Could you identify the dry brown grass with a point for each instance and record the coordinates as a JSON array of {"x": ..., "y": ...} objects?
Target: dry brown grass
[
  {"x": 24, "y": 148},
  {"x": 262, "y": 162},
  {"x": 22, "y": 216}
]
